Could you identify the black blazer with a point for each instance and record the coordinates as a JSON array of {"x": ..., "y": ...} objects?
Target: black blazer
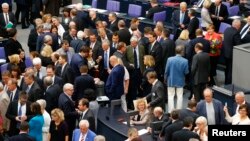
[
  {"x": 176, "y": 19},
  {"x": 124, "y": 36},
  {"x": 192, "y": 26},
  {"x": 170, "y": 129},
  {"x": 156, "y": 52},
  {"x": 101, "y": 53},
  {"x": 22, "y": 137},
  {"x": 35, "y": 92},
  {"x": 12, "y": 112},
  {"x": 16, "y": 96},
  {"x": 222, "y": 13},
  {"x": 231, "y": 39},
  {"x": 168, "y": 50},
  {"x": 51, "y": 96},
  {"x": 114, "y": 26},
  {"x": 157, "y": 95},
  {"x": 32, "y": 40},
  {"x": 97, "y": 47},
  {"x": 184, "y": 135},
  {"x": 89, "y": 115},
  {"x": 68, "y": 75},
  {"x": 153, "y": 10},
  {"x": 200, "y": 68},
  {"x": 82, "y": 83},
  {"x": 11, "y": 19}
]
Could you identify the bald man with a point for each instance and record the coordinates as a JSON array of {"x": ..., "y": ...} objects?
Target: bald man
[{"x": 114, "y": 86}]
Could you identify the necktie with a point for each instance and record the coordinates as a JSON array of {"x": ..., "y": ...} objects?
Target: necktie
[
  {"x": 82, "y": 138},
  {"x": 68, "y": 56},
  {"x": 38, "y": 74},
  {"x": 182, "y": 17},
  {"x": 28, "y": 89},
  {"x": 19, "y": 115},
  {"x": 199, "y": 4},
  {"x": 244, "y": 31},
  {"x": 6, "y": 18},
  {"x": 135, "y": 59},
  {"x": 217, "y": 11},
  {"x": 105, "y": 60},
  {"x": 11, "y": 96}
]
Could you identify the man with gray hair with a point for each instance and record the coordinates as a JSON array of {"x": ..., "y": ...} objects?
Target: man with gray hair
[
  {"x": 239, "y": 100},
  {"x": 39, "y": 69},
  {"x": 83, "y": 133},
  {"x": 6, "y": 18},
  {"x": 99, "y": 138},
  {"x": 51, "y": 94},
  {"x": 231, "y": 39},
  {"x": 67, "y": 105},
  {"x": 79, "y": 42},
  {"x": 40, "y": 39},
  {"x": 175, "y": 72}
]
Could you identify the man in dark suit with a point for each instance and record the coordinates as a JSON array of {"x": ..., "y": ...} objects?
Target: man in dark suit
[
  {"x": 70, "y": 35},
  {"x": 17, "y": 112},
  {"x": 12, "y": 89},
  {"x": 190, "y": 111},
  {"x": 193, "y": 24},
  {"x": 219, "y": 13},
  {"x": 66, "y": 72},
  {"x": 114, "y": 87},
  {"x": 185, "y": 133},
  {"x": 155, "y": 50},
  {"x": 120, "y": 53},
  {"x": 32, "y": 88},
  {"x": 231, "y": 39},
  {"x": 50, "y": 71},
  {"x": 157, "y": 95},
  {"x": 245, "y": 31},
  {"x": 123, "y": 33},
  {"x": 79, "y": 42},
  {"x": 86, "y": 113},
  {"x": 23, "y": 134},
  {"x": 103, "y": 59},
  {"x": 175, "y": 125},
  {"x": 67, "y": 105},
  {"x": 51, "y": 94},
  {"x": 6, "y": 16},
  {"x": 200, "y": 71},
  {"x": 34, "y": 33},
  {"x": 154, "y": 9},
  {"x": 93, "y": 18},
  {"x": 85, "y": 79},
  {"x": 79, "y": 59},
  {"x": 180, "y": 19},
  {"x": 95, "y": 45},
  {"x": 113, "y": 22}
]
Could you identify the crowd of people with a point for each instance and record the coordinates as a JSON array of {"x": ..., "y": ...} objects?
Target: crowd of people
[{"x": 54, "y": 98}]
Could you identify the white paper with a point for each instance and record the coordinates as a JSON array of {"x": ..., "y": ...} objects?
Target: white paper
[
  {"x": 141, "y": 18},
  {"x": 102, "y": 98},
  {"x": 235, "y": 17},
  {"x": 142, "y": 132}
]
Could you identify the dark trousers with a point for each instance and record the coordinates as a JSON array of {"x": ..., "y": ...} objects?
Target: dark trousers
[
  {"x": 228, "y": 71},
  {"x": 213, "y": 64},
  {"x": 198, "y": 91}
]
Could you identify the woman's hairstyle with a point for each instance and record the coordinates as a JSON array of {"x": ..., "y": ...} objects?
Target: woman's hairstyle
[
  {"x": 184, "y": 35},
  {"x": 139, "y": 101},
  {"x": 36, "y": 108},
  {"x": 244, "y": 106},
  {"x": 59, "y": 113},
  {"x": 149, "y": 60},
  {"x": 14, "y": 58}
]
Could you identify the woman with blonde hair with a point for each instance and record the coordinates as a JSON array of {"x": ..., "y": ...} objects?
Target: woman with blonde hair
[
  {"x": 15, "y": 61},
  {"x": 201, "y": 128},
  {"x": 149, "y": 62},
  {"x": 58, "y": 127},
  {"x": 205, "y": 15},
  {"x": 47, "y": 51},
  {"x": 142, "y": 117},
  {"x": 183, "y": 38}
]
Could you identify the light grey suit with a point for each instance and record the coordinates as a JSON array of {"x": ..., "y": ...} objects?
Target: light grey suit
[{"x": 4, "y": 103}]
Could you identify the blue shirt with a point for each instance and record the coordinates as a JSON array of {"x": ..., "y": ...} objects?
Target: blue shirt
[{"x": 176, "y": 69}]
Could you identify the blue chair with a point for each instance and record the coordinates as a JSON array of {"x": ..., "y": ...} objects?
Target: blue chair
[
  {"x": 159, "y": 16},
  {"x": 2, "y": 53},
  {"x": 4, "y": 67},
  {"x": 223, "y": 27},
  {"x": 134, "y": 10},
  {"x": 94, "y": 4},
  {"x": 28, "y": 62},
  {"x": 113, "y": 6},
  {"x": 234, "y": 10},
  {"x": 226, "y": 4}
]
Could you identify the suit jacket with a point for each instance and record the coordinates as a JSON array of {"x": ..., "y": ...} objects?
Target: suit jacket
[
  {"x": 114, "y": 26},
  {"x": 157, "y": 95},
  {"x": 22, "y": 137},
  {"x": 231, "y": 39},
  {"x": 187, "y": 113},
  {"x": 222, "y": 13},
  {"x": 190, "y": 52},
  {"x": 67, "y": 75},
  {"x": 200, "y": 68},
  {"x": 77, "y": 44},
  {"x": 218, "y": 110},
  {"x": 12, "y": 112},
  {"x": 184, "y": 135},
  {"x": 32, "y": 40},
  {"x": 124, "y": 36},
  {"x": 192, "y": 26},
  {"x": 176, "y": 19},
  {"x": 125, "y": 62},
  {"x": 156, "y": 52},
  {"x": 16, "y": 96},
  {"x": 89, "y": 115},
  {"x": 114, "y": 86},
  {"x": 12, "y": 47},
  {"x": 42, "y": 72},
  {"x": 170, "y": 129},
  {"x": 143, "y": 118},
  {"x": 51, "y": 96},
  {"x": 40, "y": 42},
  {"x": 97, "y": 47},
  {"x": 11, "y": 19},
  {"x": 77, "y": 134},
  {"x": 34, "y": 93},
  {"x": 76, "y": 61},
  {"x": 153, "y": 10},
  {"x": 130, "y": 56},
  {"x": 101, "y": 53},
  {"x": 79, "y": 88},
  {"x": 168, "y": 50},
  {"x": 70, "y": 53},
  {"x": 4, "y": 103}
]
